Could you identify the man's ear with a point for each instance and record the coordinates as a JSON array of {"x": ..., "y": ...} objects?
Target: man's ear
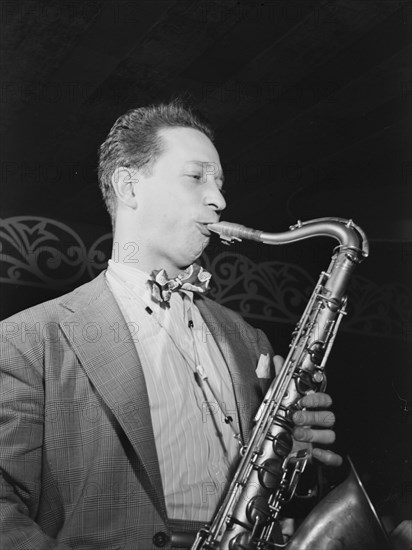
[{"x": 124, "y": 181}]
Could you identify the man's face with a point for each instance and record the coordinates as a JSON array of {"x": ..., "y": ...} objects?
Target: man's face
[{"x": 180, "y": 196}]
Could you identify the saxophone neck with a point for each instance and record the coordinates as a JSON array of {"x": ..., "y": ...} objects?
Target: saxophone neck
[{"x": 345, "y": 231}]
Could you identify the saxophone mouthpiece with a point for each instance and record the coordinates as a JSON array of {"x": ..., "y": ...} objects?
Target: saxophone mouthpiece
[{"x": 230, "y": 232}]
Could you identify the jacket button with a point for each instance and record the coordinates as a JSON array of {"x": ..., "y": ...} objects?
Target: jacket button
[{"x": 160, "y": 539}]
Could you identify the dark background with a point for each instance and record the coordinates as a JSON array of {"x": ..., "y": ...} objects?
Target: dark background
[{"x": 311, "y": 102}]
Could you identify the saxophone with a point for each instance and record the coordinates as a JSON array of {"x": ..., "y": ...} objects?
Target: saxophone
[{"x": 268, "y": 472}]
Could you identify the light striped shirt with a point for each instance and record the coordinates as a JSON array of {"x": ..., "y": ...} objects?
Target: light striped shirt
[{"x": 196, "y": 448}]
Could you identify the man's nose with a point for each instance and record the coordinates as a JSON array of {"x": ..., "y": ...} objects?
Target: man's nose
[
  {"x": 214, "y": 197},
  {"x": 212, "y": 175}
]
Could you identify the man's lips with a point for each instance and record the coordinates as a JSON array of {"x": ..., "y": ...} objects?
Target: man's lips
[{"x": 203, "y": 228}]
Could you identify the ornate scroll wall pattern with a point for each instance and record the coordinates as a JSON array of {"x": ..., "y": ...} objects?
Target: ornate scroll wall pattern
[
  {"x": 278, "y": 292},
  {"x": 268, "y": 290},
  {"x": 42, "y": 252}
]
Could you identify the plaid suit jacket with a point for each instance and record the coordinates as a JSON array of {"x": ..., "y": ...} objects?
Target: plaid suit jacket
[{"x": 78, "y": 462}]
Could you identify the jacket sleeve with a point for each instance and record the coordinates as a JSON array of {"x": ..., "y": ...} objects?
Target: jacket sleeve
[{"x": 21, "y": 436}]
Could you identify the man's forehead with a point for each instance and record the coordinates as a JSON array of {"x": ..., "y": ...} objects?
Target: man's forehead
[
  {"x": 189, "y": 139},
  {"x": 190, "y": 145}
]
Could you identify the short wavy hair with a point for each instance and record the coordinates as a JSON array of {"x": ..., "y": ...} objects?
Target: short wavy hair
[{"x": 134, "y": 141}]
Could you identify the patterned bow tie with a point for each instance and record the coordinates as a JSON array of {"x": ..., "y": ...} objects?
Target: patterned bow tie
[{"x": 194, "y": 278}]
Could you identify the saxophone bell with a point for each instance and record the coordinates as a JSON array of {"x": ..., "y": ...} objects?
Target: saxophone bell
[{"x": 344, "y": 518}]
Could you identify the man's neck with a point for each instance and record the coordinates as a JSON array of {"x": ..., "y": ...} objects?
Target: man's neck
[
  {"x": 139, "y": 254},
  {"x": 146, "y": 267},
  {"x": 133, "y": 257}
]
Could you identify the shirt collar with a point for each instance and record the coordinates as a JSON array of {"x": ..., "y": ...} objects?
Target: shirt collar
[{"x": 135, "y": 279}]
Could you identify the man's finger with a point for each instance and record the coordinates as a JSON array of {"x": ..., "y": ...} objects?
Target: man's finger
[
  {"x": 325, "y": 419},
  {"x": 316, "y": 400},
  {"x": 329, "y": 458},
  {"x": 324, "y": 437}
]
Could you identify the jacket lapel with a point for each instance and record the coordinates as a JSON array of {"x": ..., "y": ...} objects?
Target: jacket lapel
[
  {"x": 104, "y": 346},
  {"x": 95, "y": 330},
  {"x": 228, "y": 330}
]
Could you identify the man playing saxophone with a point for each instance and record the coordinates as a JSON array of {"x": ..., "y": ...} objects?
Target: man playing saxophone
[{"x": 123, "y": 417}]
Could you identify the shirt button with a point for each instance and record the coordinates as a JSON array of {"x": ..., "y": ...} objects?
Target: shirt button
[{"x": 160, "y": 539}]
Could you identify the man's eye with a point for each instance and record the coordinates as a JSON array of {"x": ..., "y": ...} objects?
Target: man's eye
[{"x": 196, "y": 176}]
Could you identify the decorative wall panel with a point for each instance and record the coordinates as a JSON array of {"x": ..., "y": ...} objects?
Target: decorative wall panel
[{"x": 42, "y": 252}]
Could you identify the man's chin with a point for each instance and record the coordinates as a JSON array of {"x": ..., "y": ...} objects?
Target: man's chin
[{"x": 195, "y": 256}]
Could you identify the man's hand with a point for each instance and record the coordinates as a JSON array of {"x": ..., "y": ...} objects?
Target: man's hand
[
  {"x": 317, "y": 416},
  {"x": 309, "y": 421}
]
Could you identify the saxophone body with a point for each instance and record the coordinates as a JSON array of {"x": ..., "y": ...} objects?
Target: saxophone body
[{"x": 269, "y": 471}]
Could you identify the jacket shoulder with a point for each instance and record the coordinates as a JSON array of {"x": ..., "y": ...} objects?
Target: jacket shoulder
[{"x": 54, "y": 309}]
